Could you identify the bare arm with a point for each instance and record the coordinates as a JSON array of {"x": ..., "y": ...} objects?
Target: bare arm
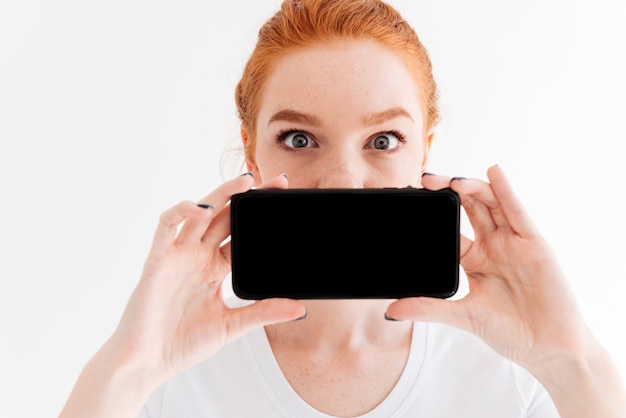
[
  {"x": 108, "y": 388},
  {"x": 584, "y": 385},
  {"x": 176, "y": 317}
]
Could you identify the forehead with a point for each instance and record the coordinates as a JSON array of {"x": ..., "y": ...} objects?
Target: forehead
[{"x": 340, "y": 77}]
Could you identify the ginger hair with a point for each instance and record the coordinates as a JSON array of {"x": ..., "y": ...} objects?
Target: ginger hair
[{"x": 301, "y": 23}]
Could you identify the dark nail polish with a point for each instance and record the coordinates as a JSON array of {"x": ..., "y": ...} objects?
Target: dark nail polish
[
  {"x": 285, "y": 176},
  {"x": 203, "y": 206},
  {"x": 249, "y": 173},
  {"x": 457, "y": 178},
  {"x": 302, "y": 317},
  {"x": 390, "y": 319},
  {"x": 424, "y": 174}
]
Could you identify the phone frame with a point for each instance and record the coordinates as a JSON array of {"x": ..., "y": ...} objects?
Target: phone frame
[{"x": 242, "y": 270}]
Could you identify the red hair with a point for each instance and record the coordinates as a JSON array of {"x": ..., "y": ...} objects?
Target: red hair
[{"x": 300, "y": 23}]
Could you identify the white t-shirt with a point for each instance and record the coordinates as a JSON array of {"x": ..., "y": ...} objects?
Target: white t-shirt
[{"x": 449, "y": 374}]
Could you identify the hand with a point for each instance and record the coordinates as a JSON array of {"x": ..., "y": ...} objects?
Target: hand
[
  {"x": 519, "y": 301},
  {"x": 176, "y": 316}
]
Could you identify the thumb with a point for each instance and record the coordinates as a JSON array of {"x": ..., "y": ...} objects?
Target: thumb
[
  {"x": 263, "y": 312},
  {"x": 427, "y": 309}
]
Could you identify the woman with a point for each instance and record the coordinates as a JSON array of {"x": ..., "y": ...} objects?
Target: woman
[{"x": 340, "y": 93}]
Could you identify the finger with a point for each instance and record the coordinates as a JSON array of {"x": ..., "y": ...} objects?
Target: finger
[
  {"x": 466, "y": 244},
  {"x": 220, "y": 196},
  {"x": 195, "y": 226},
  {"x": 512, "y": 208},
  {"x": 476, "y": 188},
  {"x": 194, "y": 229},
  {"x": 220, "y": 227},
  {"x": 169, "y": 222},
  {"x": 428, "y": 309},
  {"x": 435, "y": 182},
  {"x": 262, "y": 313},
  {"x": 481, "y": 205},
  {"x": 278, "y": 182},
  {"x": 225, "y": 249}
]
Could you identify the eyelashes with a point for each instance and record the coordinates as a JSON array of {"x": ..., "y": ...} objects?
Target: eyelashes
[
  {"x": 399, "y": 134},
  {"x": 293, "y": 139}
]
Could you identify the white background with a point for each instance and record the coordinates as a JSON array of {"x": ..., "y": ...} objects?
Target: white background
[{"x": 111, "y": 112}]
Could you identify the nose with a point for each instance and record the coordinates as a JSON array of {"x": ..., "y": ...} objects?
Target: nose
[{"x": 340, "y": 170}]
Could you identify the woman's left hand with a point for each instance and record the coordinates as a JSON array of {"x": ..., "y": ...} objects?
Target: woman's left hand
[
  {"x": 520, "y": 303},
  {"x": 519, "y": 300}
]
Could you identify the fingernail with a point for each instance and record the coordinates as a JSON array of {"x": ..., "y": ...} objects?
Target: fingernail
[
  {"x": 249, "y": 173},
  {"x": 306, "y": 313},
  {"x": 427, "y": 174},
  {"x": 285, "y": 176},
  {"x": 389, "y": 318},
  {"x": 204, "y": 206},
  {"x": 457, "y": 178}
]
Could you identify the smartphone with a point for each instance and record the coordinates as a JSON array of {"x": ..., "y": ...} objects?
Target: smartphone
[{"x": 345, "y": 243}]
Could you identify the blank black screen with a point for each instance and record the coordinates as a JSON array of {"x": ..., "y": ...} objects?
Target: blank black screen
[{"x": 353, "y": 243}]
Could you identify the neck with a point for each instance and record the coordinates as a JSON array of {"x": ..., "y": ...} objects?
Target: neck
[{"x": 341, "y": 324}]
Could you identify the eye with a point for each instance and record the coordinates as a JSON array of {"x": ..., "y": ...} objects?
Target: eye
[
  {"x": 296, "y": 139},
  {"x": 385, "y": 141}
]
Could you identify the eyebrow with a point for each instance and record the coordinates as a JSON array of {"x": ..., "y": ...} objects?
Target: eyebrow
[
  {"x": 289, "y": 115},
  {"x": 385, "y": 115}
]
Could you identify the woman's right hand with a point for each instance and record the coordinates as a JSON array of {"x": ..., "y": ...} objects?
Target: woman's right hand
[{"x": 176, "y": 317}]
